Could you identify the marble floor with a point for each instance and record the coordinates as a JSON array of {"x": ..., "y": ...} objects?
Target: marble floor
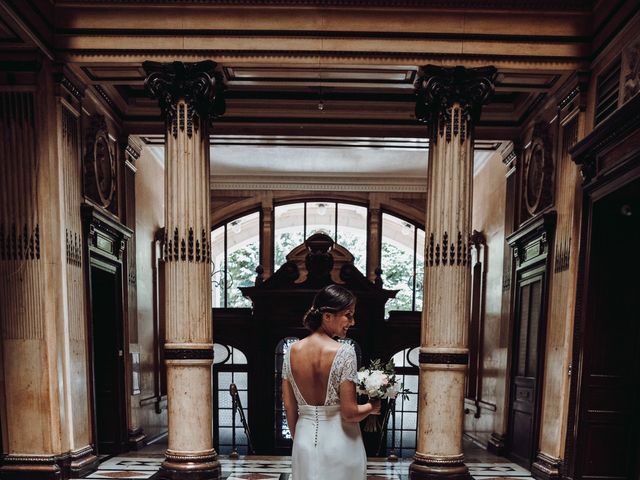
[{"x": 144, "y": 463}]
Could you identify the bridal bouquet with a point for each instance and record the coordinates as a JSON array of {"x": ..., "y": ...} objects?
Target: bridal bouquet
[{"x": 379, "y": 381}]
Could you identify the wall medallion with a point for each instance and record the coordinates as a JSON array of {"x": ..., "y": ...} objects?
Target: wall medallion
[
  {"x": 538, "y": 171},
  {"x": 99, "y": 165}
]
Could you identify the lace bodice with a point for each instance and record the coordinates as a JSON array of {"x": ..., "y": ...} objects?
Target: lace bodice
[{"x": 344, "y": 367}]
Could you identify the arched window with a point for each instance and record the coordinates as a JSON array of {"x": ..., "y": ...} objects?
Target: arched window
[
  {"x": 230, "y": 366},
  {"x": 235, "y": 253},
  {"x": 283, "y": 435},
  {"x": 403, "y": 424},
  {"x": 344, "y": 222},
  {"x": 402, "y": 262}
]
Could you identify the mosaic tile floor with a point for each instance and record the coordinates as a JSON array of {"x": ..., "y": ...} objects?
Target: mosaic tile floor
[{"x": 279, "y": 468}]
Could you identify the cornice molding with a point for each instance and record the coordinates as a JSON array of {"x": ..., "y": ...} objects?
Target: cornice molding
[
  {"x": 324, "y": 34},
  {"x": 444, "y": 59},
  {"x": 546, "y": 5},
  {"x": 310, "y": 183}
]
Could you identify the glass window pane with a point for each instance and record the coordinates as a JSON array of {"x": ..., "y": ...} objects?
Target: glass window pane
[
  {"x": 419, "y": 268},
  {"x": 399, "y": 358},
  {"x": 220, "y": 353},
  {"x": 397, "y": 261},
  {"x": 237, "y": 357},
  {"x": 243, "y": 256},
  {"x": 413, "y": 356},
  {"x": 410, "y": 420},
  {"x": 224, "y": 418},
  {"x": 224, "y": 380},
  {"x": 240, "y": 380},
  {"x": 321, "y": 217},
  {"x": 352, "y": 233},
  {"x": 288, "y": 225},
  {"x": 408, "y": 438},
  {"x": 411, "y": 382},
  {"x": 217, "y": 276},
  {"x": 225, "y": 436},
  {"x": 224, "y": 399}
]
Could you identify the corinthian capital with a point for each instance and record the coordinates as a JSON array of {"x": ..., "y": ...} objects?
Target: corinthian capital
[
  {"x": 439, "y": 88},
  {"x": 197, "y": 84}
]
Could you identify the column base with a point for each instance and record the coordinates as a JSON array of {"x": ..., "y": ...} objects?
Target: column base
[
  {"x": 437, "y": 469},
  {"x": 18, "y": 467},
  {"x": 83, "y": 462},
  {"x": 212, "y": 473},
  {"x": 546, "y": 467},
  {"x": 137, "y": 439},
  {"x": 496, "y": 444},
  {"x": 189, "y": 466}
]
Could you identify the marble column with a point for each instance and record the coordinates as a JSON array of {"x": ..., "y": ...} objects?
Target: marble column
[
  {"x": 449, "y": 101},
  {"x": 190, "y": 96}
]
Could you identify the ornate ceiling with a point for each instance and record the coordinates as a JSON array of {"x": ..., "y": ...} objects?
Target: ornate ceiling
[{"x": 314, "y": 68}]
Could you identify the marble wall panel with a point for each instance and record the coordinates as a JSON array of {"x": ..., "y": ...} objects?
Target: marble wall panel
[
  {"x": 489, "y": 190},
  {"x": 149, "y": 191}
]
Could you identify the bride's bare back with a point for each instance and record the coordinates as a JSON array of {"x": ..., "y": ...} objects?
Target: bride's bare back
[{"x": 311, "y": 360}]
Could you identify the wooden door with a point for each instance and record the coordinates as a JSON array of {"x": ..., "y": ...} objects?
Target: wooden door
[
  {"x": 608, "y": 445},
  {"x": 108, "y": 358},
  {"x": 523, "y": 411}
]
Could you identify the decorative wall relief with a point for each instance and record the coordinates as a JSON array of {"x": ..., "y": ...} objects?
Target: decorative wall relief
[
  {"x": 448, "y": 251},
  {"x": 631, "y": 71},
  {"x": 99, "y": 165},
  {"x": 537, "y": 185},
  {"x": 21, "y": 272},
  {"x": 562, "y": 255},
  {"x": 178, "y": 248}
]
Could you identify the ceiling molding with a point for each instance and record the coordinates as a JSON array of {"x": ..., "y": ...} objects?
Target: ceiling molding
[
  {"x": 316, "y": 183},
  {"x": 536, "y": 5}
]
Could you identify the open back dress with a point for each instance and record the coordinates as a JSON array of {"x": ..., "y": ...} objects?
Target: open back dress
[{"x": 325, "y": 446}]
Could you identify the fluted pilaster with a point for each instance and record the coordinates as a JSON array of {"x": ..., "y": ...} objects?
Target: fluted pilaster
[
  {"x": 189, "y": 96},
  {"x": 449, "y": 100}
]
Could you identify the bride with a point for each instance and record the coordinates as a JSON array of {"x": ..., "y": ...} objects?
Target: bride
[{"x": 318, "y": 388}]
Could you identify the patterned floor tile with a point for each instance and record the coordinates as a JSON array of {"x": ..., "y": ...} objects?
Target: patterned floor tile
[
  {"x": 254, "y": 476},
  {"x": 131, "y": 463},
  {"x": 497, "y": 470},
  {"x": 121, "y": 474},
  {"x": 279, "y": 468}
]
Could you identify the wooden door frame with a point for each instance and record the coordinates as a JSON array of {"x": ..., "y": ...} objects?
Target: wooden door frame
[
  {"x": 608, "y": 161},
  {"x": 532, "y": 244},
  {"x": 105, "y": 240},
  {"x": 96, "y": 262}
]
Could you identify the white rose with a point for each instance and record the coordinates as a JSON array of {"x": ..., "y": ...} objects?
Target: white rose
[
  {"x": 392, "y": 391},
  {"x": 374, "y": 382}
]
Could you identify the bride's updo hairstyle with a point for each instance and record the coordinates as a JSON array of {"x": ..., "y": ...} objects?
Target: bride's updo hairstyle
[{"x": 330, "y": 299}]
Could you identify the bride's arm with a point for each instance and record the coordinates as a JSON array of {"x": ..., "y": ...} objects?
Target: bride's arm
[
  {"x": 290, "y": 406},
  {"x": 349, "y": 408}
]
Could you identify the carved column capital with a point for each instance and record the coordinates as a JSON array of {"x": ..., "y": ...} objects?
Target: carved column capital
[
  {"x": 196, "y": 84},
  {"x": 438, "y": 89}
]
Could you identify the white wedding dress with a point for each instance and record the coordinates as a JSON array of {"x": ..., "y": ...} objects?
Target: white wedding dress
[{"x": 325, "y": 446}]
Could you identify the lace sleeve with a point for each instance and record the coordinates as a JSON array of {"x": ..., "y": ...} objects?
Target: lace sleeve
[
  {"x": 350, "y": 366},
  {"x": 286, "y": 371}
]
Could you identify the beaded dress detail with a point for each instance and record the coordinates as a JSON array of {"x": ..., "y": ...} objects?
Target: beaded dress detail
[{"x": 326, "y": 446}]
